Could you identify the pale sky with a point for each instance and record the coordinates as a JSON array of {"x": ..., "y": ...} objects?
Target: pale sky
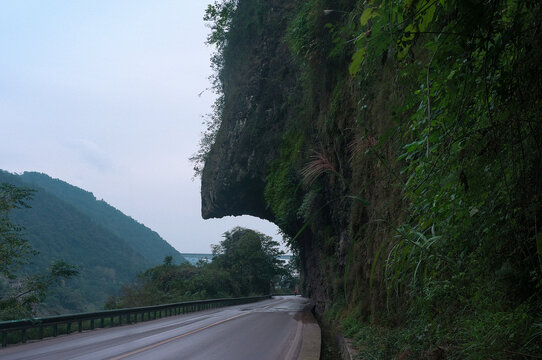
[{"x": 104, "y": 95}]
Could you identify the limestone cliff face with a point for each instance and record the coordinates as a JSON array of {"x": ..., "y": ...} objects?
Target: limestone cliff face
[
  {"x": 257, "y": 73},
  {"x": 291, "y": 148},
  {"x": 262, "y": 99},
  {"x": 407, "y": 199}
]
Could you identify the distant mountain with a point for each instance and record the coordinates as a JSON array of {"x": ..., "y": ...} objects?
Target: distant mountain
[
  {"x": 65, "y": 222},
  {"x": 145, "y": 241}
]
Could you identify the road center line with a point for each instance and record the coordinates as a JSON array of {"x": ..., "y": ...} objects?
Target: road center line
[{"x": 149, "y": 347}]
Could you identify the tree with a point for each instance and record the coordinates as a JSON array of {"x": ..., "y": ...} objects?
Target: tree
[
  {"x": 219, "y": 16},
  {"x": 251, "y": 258},
  {"x": 245, "y": 263},
  {"x": 14, "y": 251},
  {"x": 21, "y": 294}
]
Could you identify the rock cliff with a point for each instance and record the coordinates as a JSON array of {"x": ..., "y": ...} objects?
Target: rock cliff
[
  {"x": 398, "y": 147},
  {"x": 257, "y": 77},
  {"x": 288, "y": 148}
]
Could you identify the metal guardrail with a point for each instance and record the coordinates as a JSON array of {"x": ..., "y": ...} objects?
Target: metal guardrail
[{"x": 38, "y": 328}]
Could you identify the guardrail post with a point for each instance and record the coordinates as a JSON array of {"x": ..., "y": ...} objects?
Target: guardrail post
[
  {"x": 4, "y": 338},
  {"x": 91, "y": 324},
  {"x": 40, "y": 332},
  {"x": 55, "y": 329},
  {"x": 101, "y": 322},
  {"x": 80, "y": 326},
  {"x": 23, "y": 336},
  {"x": 68, "y": 328}
]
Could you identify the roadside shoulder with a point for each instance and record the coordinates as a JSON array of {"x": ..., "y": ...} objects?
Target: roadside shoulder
[{"x": 312, "y": 337}]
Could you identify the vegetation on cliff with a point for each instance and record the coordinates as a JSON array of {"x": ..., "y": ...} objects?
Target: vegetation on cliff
[
  {"x": 408, "y": 177},
  {"x": 465, "y": 261}
]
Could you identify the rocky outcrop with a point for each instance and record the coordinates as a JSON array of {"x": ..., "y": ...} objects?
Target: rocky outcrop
[
  {"x": 291, "y": 149},
  {"x": 257, "y": 73},
  {"x": 407, "y": 181}
]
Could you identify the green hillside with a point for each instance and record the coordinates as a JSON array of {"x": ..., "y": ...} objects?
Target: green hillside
[
  {"x": 142, "y": 239},
  {"x": 59, "y": 230}
]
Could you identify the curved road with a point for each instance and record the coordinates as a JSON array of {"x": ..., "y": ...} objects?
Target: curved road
[{"x": 279, "y": 328}]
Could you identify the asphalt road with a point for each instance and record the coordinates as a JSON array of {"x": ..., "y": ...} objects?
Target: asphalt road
[{"x": 277, "y": 329}]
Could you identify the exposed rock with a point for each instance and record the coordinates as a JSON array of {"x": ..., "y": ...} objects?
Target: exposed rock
[
  {"x": 269, "y": 105},
  {"x": 257, "y": 74}
]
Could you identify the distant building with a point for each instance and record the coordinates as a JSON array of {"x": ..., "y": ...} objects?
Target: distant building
[
  {"x": 286, "y": 258},
  {"x": 194, "y": 258}
]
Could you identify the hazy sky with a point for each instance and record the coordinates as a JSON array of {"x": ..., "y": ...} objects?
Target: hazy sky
[{"x": 104, "y": 95}]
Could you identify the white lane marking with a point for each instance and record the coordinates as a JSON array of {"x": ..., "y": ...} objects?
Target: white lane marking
[{"x": 149, "y": 347}]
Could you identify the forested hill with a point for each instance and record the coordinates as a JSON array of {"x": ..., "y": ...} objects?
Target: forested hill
[
  {"x": 58, "y": 229},
  {"x": 398, "y": 145},
  {"x": 142, "y": 239}
]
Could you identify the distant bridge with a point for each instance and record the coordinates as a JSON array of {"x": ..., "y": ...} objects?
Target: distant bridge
[{"x": 193, "y": 258}]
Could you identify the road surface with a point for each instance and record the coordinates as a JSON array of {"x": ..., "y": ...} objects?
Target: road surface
[{"x": 277, "y": 329}]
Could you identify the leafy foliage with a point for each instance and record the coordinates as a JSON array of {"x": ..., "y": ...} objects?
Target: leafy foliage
[
  {"x": 212, "y": 123},
  {"x": 430, "y": 110},
  {"x": 251, "y": 260},
  {"x": 281, "y": 190},
  {"x": 21, "y": 294},
  {"x": 244, "y": 263},
  {"x": 14, "y": 250},
  {"x": 472, "y": 166},
  {"x": 218, "y": 17}
]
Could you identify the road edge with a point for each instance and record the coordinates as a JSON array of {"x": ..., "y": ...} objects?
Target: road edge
[{"x": 312, "y": 338}]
